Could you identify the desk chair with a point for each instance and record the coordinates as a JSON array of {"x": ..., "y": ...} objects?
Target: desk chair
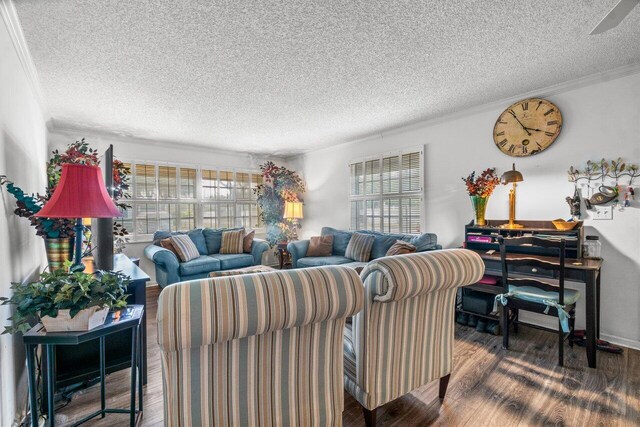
[{"x": 546, "y": 297}]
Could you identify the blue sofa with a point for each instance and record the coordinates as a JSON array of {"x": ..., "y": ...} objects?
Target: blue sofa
[
  {"x": 170, "y": 270},
  {"x": 382, "y": 243}
]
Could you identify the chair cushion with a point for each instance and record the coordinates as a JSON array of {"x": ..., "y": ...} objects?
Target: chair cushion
[
  {"x": 185, "y": 248},
  {"x": 202, "y": 264},
  {"x": 323, "y": 260},
  {"x": 359, "y": 247},
  {"x": 349, "y": 352},
  {"x": 232, "y": 242},
  {"x": 533, "y": 294},
  {"x": 230, "y": 261}
]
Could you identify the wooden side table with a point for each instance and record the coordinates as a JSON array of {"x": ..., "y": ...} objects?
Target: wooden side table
[
  {"x": 130, "y": 319},
  {"x": 283, "y": 255}
]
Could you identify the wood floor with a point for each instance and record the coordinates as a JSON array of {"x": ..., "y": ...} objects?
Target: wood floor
[{"x": 489, "y": 386}]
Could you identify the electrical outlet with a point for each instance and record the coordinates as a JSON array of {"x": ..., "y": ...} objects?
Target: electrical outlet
[{"x": 603, "y": 212}]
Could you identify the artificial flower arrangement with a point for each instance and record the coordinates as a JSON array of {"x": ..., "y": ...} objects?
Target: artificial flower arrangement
[{"x": 482, "y": 185}]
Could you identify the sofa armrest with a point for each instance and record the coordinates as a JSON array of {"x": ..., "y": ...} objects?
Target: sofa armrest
[
  {"x": 258, "y": 248},
  {"x": 166, "y": 263},
  {"x": 297, "y": 250}
]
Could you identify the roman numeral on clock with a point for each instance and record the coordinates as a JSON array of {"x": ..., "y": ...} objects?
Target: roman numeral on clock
[
  {"x": 502, "y": 143},
  {"x": 500, "y": 133},
  {"x": 549, "y": 133},
  {"x": 525, "y": 106},
  {"x": 549, "y": 112},
  {"x": 552, "y": 122},
  {"x": 512, "y": 148}
]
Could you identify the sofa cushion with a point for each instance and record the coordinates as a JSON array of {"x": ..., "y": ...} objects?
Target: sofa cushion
[
  {"x": 323, "y": 260},
  {"x": 213, "y": 238},
  {"x": 184, "y": 246},
  {"x": 232, "y": 242},
  {"x": 424, "y": 242},
  {"x": 359, "y": 247},
  {"x": 320, "y": 246},
  {"x": 166, "y": 243},
  {"x": 247, "y": 242},
  {"x": 202, "y": 264},
  {"x": 340, "y": 239},
  {"x": 229, "y": 261},
  {"x": 400, "y": 247},
  {"x": 196, "y": 236}
]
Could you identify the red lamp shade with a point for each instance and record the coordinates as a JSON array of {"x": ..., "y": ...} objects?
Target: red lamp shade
[{"x": 81, "y": 193}]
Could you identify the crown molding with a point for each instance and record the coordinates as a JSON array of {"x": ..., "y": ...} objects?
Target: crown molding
[
  {"x": 14, "y": 28},
  {"x": 546, "y": 92}
]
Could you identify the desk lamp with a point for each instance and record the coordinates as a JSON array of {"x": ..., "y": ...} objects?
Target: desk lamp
[
  {"x": 293, "y": 211},
  {"x": 511, "y": 177},
  {"x": 81, "y": 193}
]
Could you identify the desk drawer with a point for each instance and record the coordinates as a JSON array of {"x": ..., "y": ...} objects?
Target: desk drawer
[{"x": 494, "y": 268}]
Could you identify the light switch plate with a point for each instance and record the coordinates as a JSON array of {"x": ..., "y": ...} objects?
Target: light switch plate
[{"x": 603, "y": 212}]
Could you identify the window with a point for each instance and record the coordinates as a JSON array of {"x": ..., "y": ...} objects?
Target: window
[
  {"x": 386, "y": 192},
  {"x": 179, "y": 198}
]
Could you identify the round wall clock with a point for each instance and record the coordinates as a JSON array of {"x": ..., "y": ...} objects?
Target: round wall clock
[{"x": 527, "y": 127}]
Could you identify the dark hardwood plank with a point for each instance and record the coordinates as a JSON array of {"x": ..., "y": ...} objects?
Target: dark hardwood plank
[{"x": 522, "y": 386}]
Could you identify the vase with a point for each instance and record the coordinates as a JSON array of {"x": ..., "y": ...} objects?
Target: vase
[
  {"x": 479, "y": 204},
  {"x": 58, "y": 251}
]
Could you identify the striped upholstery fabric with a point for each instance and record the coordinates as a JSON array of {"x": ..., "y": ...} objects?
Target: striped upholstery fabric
[
  {"x": 184, "y": 247},
  {"x": 359, "y": 247},
  {"x": 257, "y": 350},
  {"x": 403, "y": 338},
  {"x": 232, "y": 242},
  {"x": 400, "y": 247}
]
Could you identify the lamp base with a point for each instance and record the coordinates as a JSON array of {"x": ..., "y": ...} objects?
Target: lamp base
[{"x": 511, "y": 226}]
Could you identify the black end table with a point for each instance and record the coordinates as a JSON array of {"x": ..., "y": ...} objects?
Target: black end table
[
  {"x": 130, "y": 318},
  {"x": 283, "y": 255}
]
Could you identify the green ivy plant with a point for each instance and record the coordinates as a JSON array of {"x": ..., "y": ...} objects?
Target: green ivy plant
[
  {"x": 64, "y": 290},
  {"x": 279, "y": 185}
]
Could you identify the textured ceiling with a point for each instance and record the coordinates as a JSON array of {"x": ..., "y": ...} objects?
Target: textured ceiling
[{"x": 282, "y": 77}]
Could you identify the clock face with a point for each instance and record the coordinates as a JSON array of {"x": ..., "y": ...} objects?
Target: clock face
[{"x": 527, "y": 127}]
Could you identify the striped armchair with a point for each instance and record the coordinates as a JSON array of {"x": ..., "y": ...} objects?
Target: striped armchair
[
  {"x": 403, "y": 338},
  {"x": 257, "y": 350}
]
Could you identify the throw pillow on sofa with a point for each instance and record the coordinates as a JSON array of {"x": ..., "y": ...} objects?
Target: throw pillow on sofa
[
  {"x": 248, "y": 241},
  {"x": 166, "y": 243},
  {"x": 232, "y": 242},
  {"x": 400, "y": 247},
  {"x": 320, "y": 246},
  {"x": 185, "y": 247},
  {"x": 359, "y": 247}
]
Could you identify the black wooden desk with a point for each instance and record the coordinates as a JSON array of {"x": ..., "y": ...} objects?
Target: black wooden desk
[
  {"x": 130, "y": 319},
  {"x": 582, "y": 270}
]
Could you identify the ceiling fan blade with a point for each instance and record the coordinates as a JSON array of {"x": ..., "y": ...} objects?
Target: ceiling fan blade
[{"x": 617, "y": 14}]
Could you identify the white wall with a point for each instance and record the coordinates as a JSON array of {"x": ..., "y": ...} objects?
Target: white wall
[
  {"x": 129, "y": 149},
  {"x": 22, "y": 158},
  {"x": 601, "y": 119}
]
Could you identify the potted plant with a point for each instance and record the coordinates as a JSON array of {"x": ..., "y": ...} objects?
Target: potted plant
[
  {"x": 66, "y": 301},
  {"x": 479, "y": 189},
  {"x": 279, "y": 185}
]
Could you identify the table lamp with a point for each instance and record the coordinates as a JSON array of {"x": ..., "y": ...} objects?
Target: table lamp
[
  {"x": 81, "y": 193},
  {"x": 293, "y": 211},
  {"x": 511, "y": 177}
]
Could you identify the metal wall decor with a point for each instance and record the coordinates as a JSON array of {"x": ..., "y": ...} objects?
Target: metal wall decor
[{"x": 603, "y": 182}]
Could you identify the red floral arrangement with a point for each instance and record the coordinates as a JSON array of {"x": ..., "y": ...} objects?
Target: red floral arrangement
[{"x": 484, "y": 184}]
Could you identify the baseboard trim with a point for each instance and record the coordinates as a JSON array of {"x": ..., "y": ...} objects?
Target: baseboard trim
[{"x": 623, "y": 342}]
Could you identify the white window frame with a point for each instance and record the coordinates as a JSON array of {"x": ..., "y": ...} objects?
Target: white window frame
[
  {"x": 198, "y": 201},
  {"x": 380, "y": 197}
]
